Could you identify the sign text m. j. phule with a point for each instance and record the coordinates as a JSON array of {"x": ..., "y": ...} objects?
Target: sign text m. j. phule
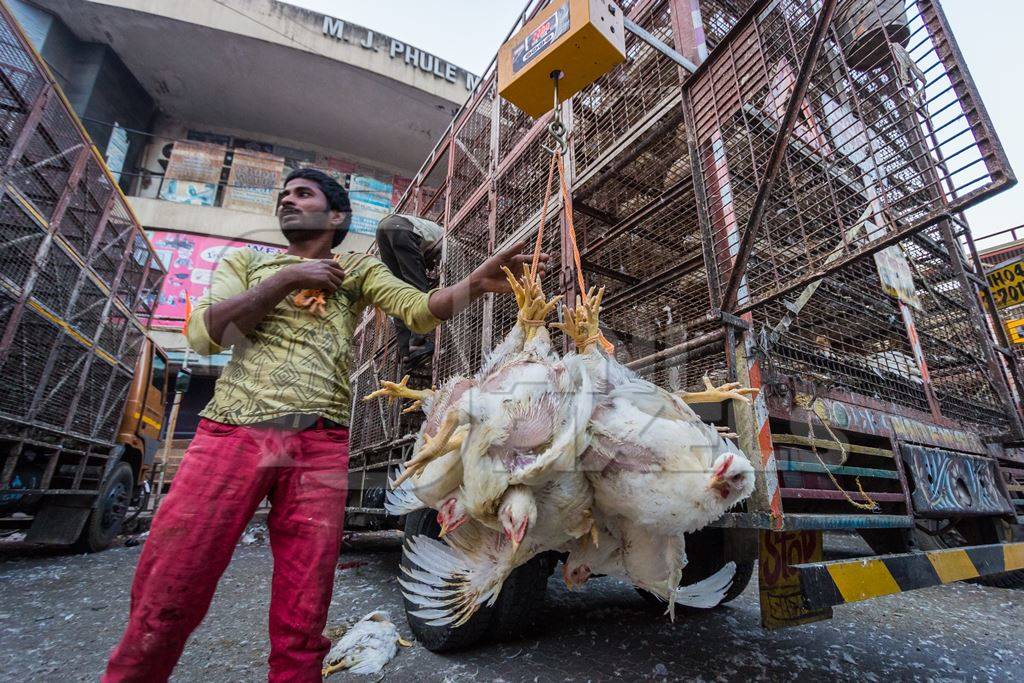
[{"x": 420, "y": 59}]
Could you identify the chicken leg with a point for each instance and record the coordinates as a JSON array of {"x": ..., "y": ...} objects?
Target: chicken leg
[
  {"x": 337, "y": 666},
  {"x": 449, "y": 445},
  {"x": 533, "y": 307},
  {"x": 434, "y": 446},
  {"x": 731, "y": 391},
  {"x": 394, "y": 390},
  {"x": 581, "y": 323}
]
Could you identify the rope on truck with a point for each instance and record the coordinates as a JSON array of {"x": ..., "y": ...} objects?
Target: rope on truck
[{"x": 816, "y": 408}]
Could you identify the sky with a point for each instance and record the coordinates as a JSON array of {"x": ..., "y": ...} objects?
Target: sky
[{"x": 468, "y": 32}]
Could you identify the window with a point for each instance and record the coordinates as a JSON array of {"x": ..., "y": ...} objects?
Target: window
[{"x": 159, "y": 371}]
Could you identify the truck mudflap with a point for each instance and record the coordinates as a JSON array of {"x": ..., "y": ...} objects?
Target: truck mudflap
[{"x": 827, "y": 584}]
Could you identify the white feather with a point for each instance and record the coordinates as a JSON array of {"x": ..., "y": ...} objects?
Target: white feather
[
  {"x": 709, "y": 592},
  {"x": 401, "y": 501}
]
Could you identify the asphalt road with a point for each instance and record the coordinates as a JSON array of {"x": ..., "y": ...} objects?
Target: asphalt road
[{"x": 61, "y": 615}]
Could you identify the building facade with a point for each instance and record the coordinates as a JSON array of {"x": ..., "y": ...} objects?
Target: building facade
[{"x": 202, "y": 108}]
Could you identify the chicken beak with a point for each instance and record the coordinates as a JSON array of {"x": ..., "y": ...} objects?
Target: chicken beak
[
  {"x": 518, "y": 534},
  {"x": 565, "y": 576},
  {"x": 444, "y": 530}
]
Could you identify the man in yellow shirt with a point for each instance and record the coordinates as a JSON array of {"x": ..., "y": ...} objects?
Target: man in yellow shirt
[{"x": 276, "y": 428}]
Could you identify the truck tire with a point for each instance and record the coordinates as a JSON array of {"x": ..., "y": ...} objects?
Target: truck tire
[
  {"x": 705, "y": 550},
  {"x": 521, "y": 599},
  {"x": 107, "y": 517},
  {"x": 512, "y": 613},
  {"x": 953, "y": 539}
]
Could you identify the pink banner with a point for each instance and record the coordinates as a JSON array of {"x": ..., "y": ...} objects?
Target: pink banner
[{"x": 190, "y": 261}]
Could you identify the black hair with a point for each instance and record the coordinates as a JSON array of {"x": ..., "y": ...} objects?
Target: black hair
[{"x": 337, "y": 197}]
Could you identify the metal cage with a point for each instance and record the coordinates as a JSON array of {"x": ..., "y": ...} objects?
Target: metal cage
[
  {"x": 738, "y": 218},
  {"x": 76, "y": 273}
]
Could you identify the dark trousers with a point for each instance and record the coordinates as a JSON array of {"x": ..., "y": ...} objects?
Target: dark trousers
[{"x": 401, "y": 251}]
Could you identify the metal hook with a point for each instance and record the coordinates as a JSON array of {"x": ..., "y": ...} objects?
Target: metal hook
[{"x": 556, "y": 128}]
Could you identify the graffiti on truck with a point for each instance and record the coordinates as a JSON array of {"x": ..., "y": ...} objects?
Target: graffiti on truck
[{"x": 867, "y": 421}]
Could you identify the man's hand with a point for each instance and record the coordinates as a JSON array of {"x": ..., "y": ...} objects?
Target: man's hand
[
  {"x": 228, "y": 321},
  {"x": 324, "y": 274},
  {"x": 489, "y": 276}
]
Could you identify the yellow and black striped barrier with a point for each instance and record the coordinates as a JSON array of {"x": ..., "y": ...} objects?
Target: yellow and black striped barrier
[{"x": 826, "y": 584}]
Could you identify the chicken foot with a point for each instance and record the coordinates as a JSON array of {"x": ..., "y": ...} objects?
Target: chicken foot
[
  {"x": 581, "y": 323},
  {"x": 534, "y": 308},
  {"x": 340, "y": 665},
  {"x": 313, "y": 300},
  {"x": 396, "y": 390},
  {"x": 731, "y": 391}
]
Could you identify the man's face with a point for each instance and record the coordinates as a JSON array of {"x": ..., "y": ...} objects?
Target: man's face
[{"x": 302, "y": 210}]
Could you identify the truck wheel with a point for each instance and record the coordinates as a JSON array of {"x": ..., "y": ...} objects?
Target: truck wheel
[
  {"x": 705, "y": 550},
  {"x": 513, "y": 612},
  {"x": 520, "y": 600},
  {"x": 951, "y": 538},
  {"x": 106, "y": 519}
]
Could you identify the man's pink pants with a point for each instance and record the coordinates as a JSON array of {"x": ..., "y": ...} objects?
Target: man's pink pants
[{"x": 226, "y": 472}]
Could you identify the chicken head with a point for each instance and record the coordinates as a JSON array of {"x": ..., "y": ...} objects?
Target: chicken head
[
  {"x": 451, "y": 515},
  {"x": 517, "y": 513},
  {"x": 732, "y": 479}
]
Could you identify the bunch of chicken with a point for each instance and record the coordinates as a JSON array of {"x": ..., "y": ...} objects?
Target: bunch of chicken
[{"x": 575, "y": 454}]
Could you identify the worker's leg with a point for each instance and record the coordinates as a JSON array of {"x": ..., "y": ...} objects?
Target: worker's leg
[
  {"x": 386, "y": 247},
  {"x": 306, "y": 520},
  {"x": 407, "y": 251},
  {"x": 190, "y": 543}
]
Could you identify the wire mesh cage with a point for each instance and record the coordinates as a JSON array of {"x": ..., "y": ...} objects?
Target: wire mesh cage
[
  {"x": 20, "y": 87},
  {"x": 25, "y": 363},
  {"x": 56, "y": 391},
  {"x": 20, "y": 239},
  {"x": 44, "y": 169},
  {"x": 642, "y": 86},
  {"x": 85, "y": 418},
  {"x": 887, "y": 140},
  {"x": 85, "y": 208},
  {"x": 461, "y": 338},
  {"x": 471, "y": 151},
  {"x": 67, "y": 352}
]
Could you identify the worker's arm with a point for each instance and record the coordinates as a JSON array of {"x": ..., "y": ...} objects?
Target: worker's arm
[
  {"x": 488, "y": 277},
  {"x": 232, "y": 309},
  {"x": 422, "y": 312}
]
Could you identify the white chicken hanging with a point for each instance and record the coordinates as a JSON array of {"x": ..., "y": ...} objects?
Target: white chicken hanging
[
  {"x": 657, "y": 471},
  {"x": 576, "y": 454}
]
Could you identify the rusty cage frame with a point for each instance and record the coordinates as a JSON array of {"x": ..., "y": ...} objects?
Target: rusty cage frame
[{"x": 78, "y": 279}]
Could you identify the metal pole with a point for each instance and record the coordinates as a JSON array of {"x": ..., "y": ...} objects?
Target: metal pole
[
  {"x": 172, "y": 423},
  {"x": 661, "y": 47}
]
